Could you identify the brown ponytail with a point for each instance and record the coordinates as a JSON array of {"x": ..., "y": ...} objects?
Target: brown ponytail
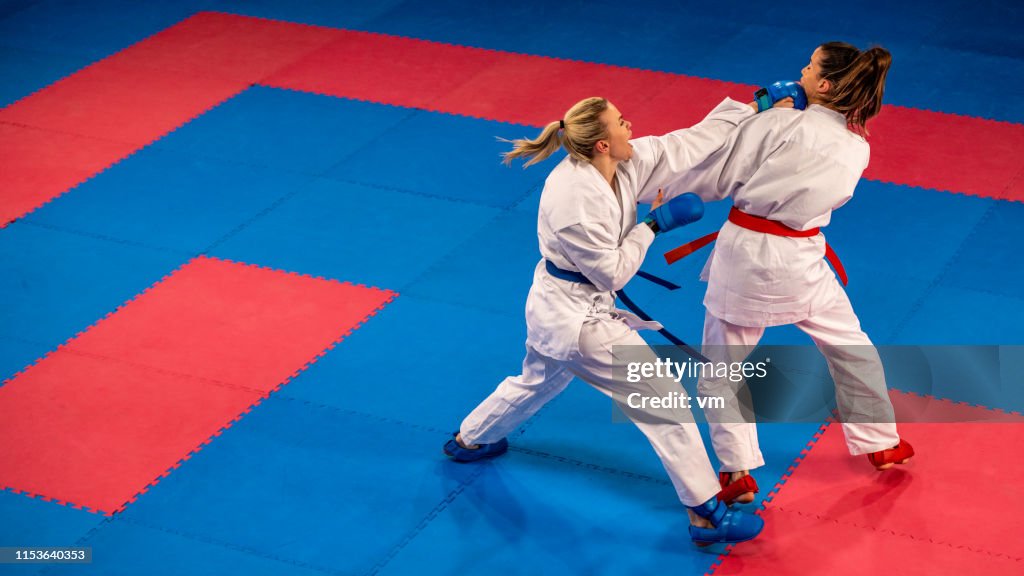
[
  {"x": 857, "y": 81},
  {"x": 583, "y": 129}
]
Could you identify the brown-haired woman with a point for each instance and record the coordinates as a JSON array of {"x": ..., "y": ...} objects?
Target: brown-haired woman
[
  {"x": 786, "y": 171},
  {"x": 592, "y": 246}
]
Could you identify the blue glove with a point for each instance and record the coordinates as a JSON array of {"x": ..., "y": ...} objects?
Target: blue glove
[
  {"x": 679, "y": 211},
  {"x": 765, "y": 97}
]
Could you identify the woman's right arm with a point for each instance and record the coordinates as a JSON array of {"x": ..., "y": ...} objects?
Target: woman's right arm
[{"x": 731, "y": 166}]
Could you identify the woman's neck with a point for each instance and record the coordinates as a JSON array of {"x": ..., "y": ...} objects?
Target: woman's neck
[{"x": 606, "y": 166}]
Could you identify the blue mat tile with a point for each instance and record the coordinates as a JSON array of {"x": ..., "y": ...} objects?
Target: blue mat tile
[
  {"x": 417, "y": 361},
  {"x": 883, "y": 302},
  {"x": 318, "y": 12},
  {"x": 447, "y": 156},
  {"x": 953, "y": 315},
  {"x": 531, "y": 202},
  {"x": 985, "y": 28},
  {"x": 89, "y": 28},
  {"x": 906, "y": 22},
  {"x": 128, "y": 548},
  {"x": 530, "y": 515},
  {"x": 357, "y": 233},
  {"x": 10, "y": 7},
  {"x": 54, "y": 284},
  {"x": 491, "y": 270},
  {"x": 670, "y": 41},
  {"x": 331, "y": 490},
  {"x": 899, "y": 230},
  {"x": 284, "y": 129},
  {"x": 490, "y": 25},
  {"x": 26, "y": 71},
  {"x": 790, "y": 50},
  {"x": 957, "y": 81},
  {"x": 35, "y": 522},
  {"x": 989, "y": 260},
  {"x": 168, "y": 200},
  {"x": 17, "y": 354}
]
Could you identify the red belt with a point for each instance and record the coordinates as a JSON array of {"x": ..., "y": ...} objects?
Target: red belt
[{"x": 758, "y": 224}]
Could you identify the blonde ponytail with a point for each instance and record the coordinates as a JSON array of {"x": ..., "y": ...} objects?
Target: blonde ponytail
[{"x": 582, "y": 130}]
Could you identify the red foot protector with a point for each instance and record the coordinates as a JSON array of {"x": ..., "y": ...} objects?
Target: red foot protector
[
  {"x": 39, "y": 165},
  {"x": 226, "y": 46},
  {"x": 107, "y": 414},
  {"x": 946, "y": 152},
  {"x": 128, "y": 104},
  {"x": 952, "y": 509},
  {"x": 385, "y": 69}
]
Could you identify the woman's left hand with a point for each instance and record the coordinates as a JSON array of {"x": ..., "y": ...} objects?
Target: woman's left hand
[{"x": 786, "y": 102}]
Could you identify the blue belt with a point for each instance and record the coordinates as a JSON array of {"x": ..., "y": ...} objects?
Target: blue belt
[
  {"x": 578, "y": 277},
  {"x": 567, "y": 275}
]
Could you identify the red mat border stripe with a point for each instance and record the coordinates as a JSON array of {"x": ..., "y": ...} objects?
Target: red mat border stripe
[{"x": 931, "y": 176}]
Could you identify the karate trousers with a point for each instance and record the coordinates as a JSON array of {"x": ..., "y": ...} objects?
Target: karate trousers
[
  {"x": 861, "y": 394},
  {"x": 672, "y": 432}
]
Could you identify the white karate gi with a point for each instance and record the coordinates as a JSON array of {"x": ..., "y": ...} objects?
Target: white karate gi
[
  {"x": 572, "y": 328},
  {"x": 793, "y": 167}
]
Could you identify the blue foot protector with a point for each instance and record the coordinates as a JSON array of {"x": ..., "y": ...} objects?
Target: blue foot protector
[
  {"x": 460, "y": 454},
  {"x": 731, "y": 526}
]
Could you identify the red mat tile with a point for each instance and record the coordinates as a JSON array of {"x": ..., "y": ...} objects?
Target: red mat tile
[
  {"x": 214, "y": 44},
  {"x": 953, "y": 505},
  {"x": 94, "y": 432},
  {"x": 946, "y": 152},
  {"x": 684, "y": 102},
  {"x": 124, "y": 103},
  {"x": 799, "y": 544},
  {"x": 232, "y": 323},
  {"x": 38, "y": 165},
  {"x": 534, "y": 90},
  {"x": 105, "y": 415},
  {"x": 385, "y": 69}
]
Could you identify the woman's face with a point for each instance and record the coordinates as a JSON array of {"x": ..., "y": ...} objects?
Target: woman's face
[
  {"x": 619, "y": 132},
  {"x": 810, "y": 78}
]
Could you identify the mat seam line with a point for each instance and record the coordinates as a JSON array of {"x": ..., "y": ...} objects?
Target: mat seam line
[
  {"x": 436, "y": 511},
  {"x": 919, "y": 303},
  {"x": 786, "y": 476},
  {"x": 901, "y": 534},
  {"x": 229, "y": 545}
]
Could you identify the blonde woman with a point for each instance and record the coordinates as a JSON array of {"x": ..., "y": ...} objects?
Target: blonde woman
[{"x": 592, "y": 246}]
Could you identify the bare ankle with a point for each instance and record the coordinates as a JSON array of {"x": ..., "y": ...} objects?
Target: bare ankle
[
  {"x": 737, "y": 475},
  {"x": 699, "y": 521},
  {"x": 458, "y": 438}
]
